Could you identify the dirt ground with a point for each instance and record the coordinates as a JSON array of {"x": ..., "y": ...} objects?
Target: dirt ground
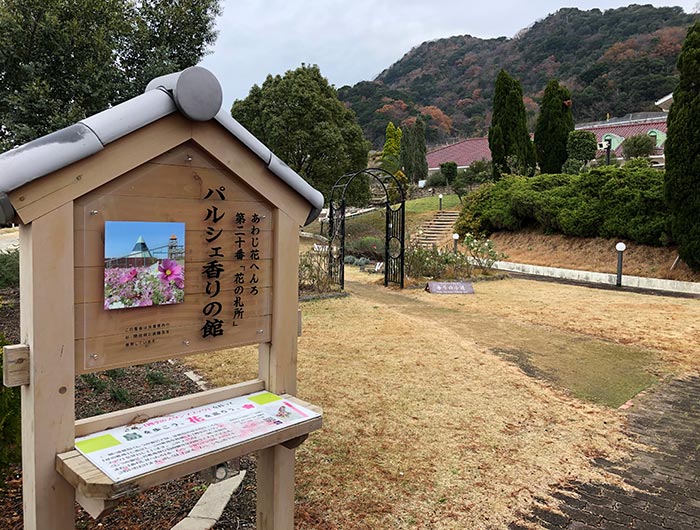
[{"x": 428, "y": 424}]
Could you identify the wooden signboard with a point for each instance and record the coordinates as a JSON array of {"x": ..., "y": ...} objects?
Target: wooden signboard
[
  {"x": 147, "y": 242},
  {"x": 225, "y": 265}
]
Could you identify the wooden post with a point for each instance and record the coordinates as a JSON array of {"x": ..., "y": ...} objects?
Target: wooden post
[
  {"x": 48, "y": 402},
  {"x": 275, "y": 508}
]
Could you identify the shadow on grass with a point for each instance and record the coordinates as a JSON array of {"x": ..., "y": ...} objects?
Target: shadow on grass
[{"x": 603, "y": 373}]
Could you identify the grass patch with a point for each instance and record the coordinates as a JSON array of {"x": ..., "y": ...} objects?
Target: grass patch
[
  {"x": 94, "y": 382},
  {"x": 595, "y": 371},
  {"x": 432, "y": 203},
  {"x": 156, "y": 377},
  {"x": 374, "y": 223},
  {"x": 119, "y": 394}
]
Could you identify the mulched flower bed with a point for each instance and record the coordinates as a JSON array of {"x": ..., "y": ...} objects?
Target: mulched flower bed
[{"x": 155, "y": 509}]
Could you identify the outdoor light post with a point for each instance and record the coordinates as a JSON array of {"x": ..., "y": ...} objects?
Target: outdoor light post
[
  {"x": 608, "y": 148},
  {"x": 455, "y": 237},
  {"x": 440, "y": 197},
  {"x": 620, "y": 247}
]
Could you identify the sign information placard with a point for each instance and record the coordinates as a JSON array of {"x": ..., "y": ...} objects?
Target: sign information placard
[
  {"x": 132, "y": 450},
  {"x": 450, "y": 287}
]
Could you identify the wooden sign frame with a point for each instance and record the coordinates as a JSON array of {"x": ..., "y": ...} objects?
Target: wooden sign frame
[{"x": 60, "y": 250}]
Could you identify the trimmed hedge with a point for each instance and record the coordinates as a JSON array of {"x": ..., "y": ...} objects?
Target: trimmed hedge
[{"x": 612, "y": 202}]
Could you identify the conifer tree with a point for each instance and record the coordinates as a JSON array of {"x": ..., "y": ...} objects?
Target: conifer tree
[
  {"x": 512, "y": 150},
  {"x": 392, "y": 149},
  {"x": 554, "y": 124},
  {"x": 413, "y": 153},
  {"x": 682, "y": 180}
]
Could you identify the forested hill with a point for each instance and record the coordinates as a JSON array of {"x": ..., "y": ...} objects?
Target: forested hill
[{"x": 616, "y": 61}]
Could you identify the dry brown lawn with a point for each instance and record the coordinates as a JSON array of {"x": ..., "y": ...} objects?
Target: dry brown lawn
[{"x": 425, "y": 427}]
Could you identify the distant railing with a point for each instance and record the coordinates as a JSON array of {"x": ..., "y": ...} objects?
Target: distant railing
[{"x": 174, "y": 252}]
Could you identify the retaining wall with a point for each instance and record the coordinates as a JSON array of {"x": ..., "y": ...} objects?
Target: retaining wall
[{"x": 637, "y": 282}]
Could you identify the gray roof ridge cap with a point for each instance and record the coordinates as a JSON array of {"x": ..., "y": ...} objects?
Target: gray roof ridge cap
[
  {"x": 274, "y": 163},
  {"x": 196, "y": 92},
  {"x": 244, "y": 135},
  {"x": 130, "y": 115}
]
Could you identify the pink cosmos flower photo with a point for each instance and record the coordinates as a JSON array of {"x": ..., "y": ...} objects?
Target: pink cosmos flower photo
[{"x": 144, "y": 264}]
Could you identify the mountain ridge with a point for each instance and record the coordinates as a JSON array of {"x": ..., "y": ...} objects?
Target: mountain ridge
[{"x": 614, "y": 62}]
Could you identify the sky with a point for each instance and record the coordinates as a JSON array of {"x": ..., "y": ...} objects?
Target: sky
[
  {"x": 355, "y": 40},
  {"x": 121, "y": 236}
]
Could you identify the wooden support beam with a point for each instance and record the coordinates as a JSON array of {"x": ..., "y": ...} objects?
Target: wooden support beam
[
  {"x": 278, "y": 358},
  {"x": 15, "y": 365},
  {"x": 97, "y": 508},
  {"x": 48, "y": 402}
]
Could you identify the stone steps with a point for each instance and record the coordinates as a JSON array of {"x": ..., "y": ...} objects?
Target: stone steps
[{"x": 435, "y": 231}]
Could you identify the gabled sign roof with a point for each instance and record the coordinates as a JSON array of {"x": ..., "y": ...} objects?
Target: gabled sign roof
[{"x": 194, "y": 92}]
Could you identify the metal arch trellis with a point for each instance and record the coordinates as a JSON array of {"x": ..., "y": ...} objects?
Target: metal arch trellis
[{"x": 394, "y": 242}]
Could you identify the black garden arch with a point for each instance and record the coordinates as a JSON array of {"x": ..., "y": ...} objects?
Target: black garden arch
[{"x": 395, "y": 222}]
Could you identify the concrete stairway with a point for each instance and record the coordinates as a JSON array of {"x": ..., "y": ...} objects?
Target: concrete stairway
[{"x": 437, "y": 231}]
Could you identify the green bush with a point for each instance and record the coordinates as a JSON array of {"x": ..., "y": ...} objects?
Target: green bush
[
  {"x": 449, "y": 171},
  {"x": 10, "y": 424},
  {"x": 369, "y": 247},
  {"x": 573, "y": 166},
  {"x": 436, "y": 263},
  {"x": 613, "y": 202},
  {"x": 481, "y": 252},
  {"x": 638, "y": 146},
  {"x": 437, "y": 180},
  {"x": 9, "y": 268},
  {"x": 581, "y": 145}
]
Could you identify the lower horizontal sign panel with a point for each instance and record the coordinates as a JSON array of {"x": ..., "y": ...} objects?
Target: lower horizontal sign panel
[{"x": 129, "y": 451}]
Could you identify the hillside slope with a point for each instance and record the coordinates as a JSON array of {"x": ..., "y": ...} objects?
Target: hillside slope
[
  {"x": 617, "y": 61},
  {"x": 591, "y": 254}
]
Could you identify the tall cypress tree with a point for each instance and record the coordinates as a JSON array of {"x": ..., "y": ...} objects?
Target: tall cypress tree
[
  {"x": 392, "y": 149},
  {"x": 413, "y": 152},
  {"x": 420, "y": 160},
  {"x": 682, "y": 181},
  {"x": 554, "y": 124},
  {"x": 512, "y": 150}
]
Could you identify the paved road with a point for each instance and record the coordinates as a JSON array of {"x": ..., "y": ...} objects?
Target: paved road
[
  {"x": 9, "y": 239},
  {"x": 664, "y": 482}
]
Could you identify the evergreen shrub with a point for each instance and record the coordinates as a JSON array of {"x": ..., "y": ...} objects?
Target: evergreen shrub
[
  {"x": 437, "y": 180},
  {"x": 612, "y": 202},
  {"x": 369, "y": 247},
  {"x": 9, "y": 268}
]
